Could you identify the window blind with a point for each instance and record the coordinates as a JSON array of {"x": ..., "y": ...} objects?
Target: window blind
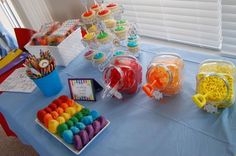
[
  {"x": 229, "y": 26},
  {"x": 196, "y": 22}
]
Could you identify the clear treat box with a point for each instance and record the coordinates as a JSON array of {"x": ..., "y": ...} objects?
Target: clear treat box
[{"x": 64, "y": 52}]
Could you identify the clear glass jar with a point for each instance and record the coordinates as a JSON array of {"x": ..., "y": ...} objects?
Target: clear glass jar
[
  {"x": 215, "y": 85},
  {"x": 164, "y": 75},
  {"x": 123, "y": 75}
]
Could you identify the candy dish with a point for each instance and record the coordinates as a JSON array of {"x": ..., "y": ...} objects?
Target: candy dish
[
  {"x": 77, "y": 150},
  {"x": 74, "y": 130}
]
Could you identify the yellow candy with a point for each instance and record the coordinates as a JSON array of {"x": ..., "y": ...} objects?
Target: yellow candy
[
  {"x": 71, "y": 110},
  {"x": 89, "y": 36},
  {"x": 66, "y": 116},
  {"x": 77, "y": 107},
  {"x": 52, "y": 126},
  {"x": 61, "y": 119},
  {"x": 216, "y": 89}
]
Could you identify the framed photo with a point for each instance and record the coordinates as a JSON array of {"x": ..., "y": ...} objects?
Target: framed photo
[{"x": 82, "y": 89}]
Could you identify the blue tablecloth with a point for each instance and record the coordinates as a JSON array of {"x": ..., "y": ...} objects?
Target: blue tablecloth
[{"x": 139, "y": 125}]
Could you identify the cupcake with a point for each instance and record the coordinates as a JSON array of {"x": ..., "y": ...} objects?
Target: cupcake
[
  {"x": 121, "y": 22},
  {"x": 113, "y": 7},
  {"x": 110, "y": 23},
  {"x": 133, "y": 38},
  {"x": 119, "y": 53},
  {"x": 92, "y": 29},
  {"x": 99, "y": 58},
  {"x": 120, "y": 32},
  {"x": 104, "y": 14},
  {"x": 103, "y": 37},
  {"x": 95, "y": 7},
  {"x": 133, "y": 47},
  {"x": 89, "y": 37},
  {"x": 88, "y": 16},
  {"x": 89, "y": 55},
  {"x": 90, "y": 40}
]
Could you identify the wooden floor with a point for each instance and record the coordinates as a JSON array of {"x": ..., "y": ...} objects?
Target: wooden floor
[{"x": 11, "y": 146}]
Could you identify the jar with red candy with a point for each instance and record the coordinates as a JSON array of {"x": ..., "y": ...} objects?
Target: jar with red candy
[{"x": 123, "y": 75}]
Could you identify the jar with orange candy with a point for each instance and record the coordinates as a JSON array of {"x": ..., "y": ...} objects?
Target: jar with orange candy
[{"x": 164, "y": 75}]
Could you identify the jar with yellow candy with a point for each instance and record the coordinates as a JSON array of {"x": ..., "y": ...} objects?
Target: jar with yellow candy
[
  {"x": 164, "y": 76},
  {"x": 215, "y": 85}
]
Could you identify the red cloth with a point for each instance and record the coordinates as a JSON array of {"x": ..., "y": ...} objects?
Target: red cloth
[
  {"x": 23, "y": 36},
  {"x": 3, "y": 121}
]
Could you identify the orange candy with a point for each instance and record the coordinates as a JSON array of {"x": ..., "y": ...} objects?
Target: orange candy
[
  {"x": 54, "y": 114},
  {"x": 47, "y": 118},
  {"x": 70, "y": 102},
  {"x": 164, "y": 75},
  {"x": 60, "y": 110},
  {"x": 64, "y": 106}
]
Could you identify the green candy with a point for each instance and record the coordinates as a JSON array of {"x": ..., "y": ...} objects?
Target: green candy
[
  {"x": 102, "y": 35},
  {"x": 70, "y": 123},
  {"x": 121, "y": 22},
  {"x": 85, "y": 111},
  {"x": 120, "y": 28},
  {"x": 79, "y": 115},
  {"x": 74, "y": 119},
  {"x": 61, "y": 128}
]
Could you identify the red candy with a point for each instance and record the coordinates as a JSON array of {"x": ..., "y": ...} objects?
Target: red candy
[
  {"x": 57, "y": 102},
  {"x": 111, "y": 5},
  {"x": 94, "y": 6},
  {"x": 103, "y": 12},
  {"x": 53, "y": 106},
  {"x": 41, "y": 114},
  {"x": 126, "y": 74},
  {"x": 63, "y": 98},
  {"x": 48, "y": 109},
  {"x": 88, "y": 13}
]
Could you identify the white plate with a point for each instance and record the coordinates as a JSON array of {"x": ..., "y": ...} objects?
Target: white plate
[{"x": 70, "y": 146}]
